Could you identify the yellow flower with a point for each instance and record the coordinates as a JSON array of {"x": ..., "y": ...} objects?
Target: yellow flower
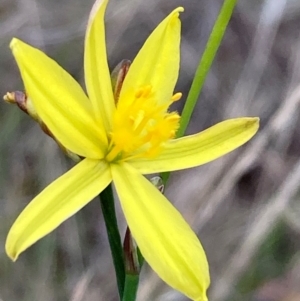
[{"x": 120, "y": 143}]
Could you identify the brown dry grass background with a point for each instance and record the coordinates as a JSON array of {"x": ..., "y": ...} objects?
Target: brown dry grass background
[{"x": 244, "y": 207}]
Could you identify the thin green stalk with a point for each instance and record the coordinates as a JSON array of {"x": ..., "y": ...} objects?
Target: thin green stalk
[
  {"x": 114, "y": 238},
  {"x": 206, "y": 60},
  {"x": 131, "y": 286},
  {"x": 203, "y": 68}
]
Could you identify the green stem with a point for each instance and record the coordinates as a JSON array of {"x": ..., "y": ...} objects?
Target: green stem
[
  {"x": 109, "y": 214},
  {"x": 203, "y": 68},
  {"x": 205, "y": 63},
  {"x": 131, "y": 286}
]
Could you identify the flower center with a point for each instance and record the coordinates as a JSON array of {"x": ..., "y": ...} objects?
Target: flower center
[{"x": 141, "y": 125}]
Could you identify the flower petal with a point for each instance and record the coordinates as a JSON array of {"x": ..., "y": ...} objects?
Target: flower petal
[
  {"x": 201, "y": 148},
  {"x": 165, "y": 239},
  {"x": 97, "y": 76},
  {"x": 157, "y": 63},
  {"x": 59, "y": 101},
  {"x": 56, "y": 203}
]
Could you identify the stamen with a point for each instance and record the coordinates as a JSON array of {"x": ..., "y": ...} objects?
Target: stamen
[
  {"x": 143, "y": 91},
  {"x": 113, "y": 154},
  {"x": 141, "y": 125},
  {"x": 139, "y": 92},
  {"x": 147, "y": 90},
  {"x": 176, "y": 96}
]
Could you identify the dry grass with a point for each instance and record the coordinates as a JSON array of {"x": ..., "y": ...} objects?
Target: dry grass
[{"x": 245, "y": 206}]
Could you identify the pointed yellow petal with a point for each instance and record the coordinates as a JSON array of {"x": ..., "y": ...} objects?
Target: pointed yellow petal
[
  {"x": 97, "y": 76},
  {"x": 59, "y": 101},
  {"x": 157, "y": 63},
  {"x": 56, "y": 203},
  {"x": 195, "y": 150},
  {"x": 165, "y": 239}
]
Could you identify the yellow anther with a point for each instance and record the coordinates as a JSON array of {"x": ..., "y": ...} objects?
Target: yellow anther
[
  {"x": 142, "y": 125},
  {"x": 172, "y": 134},
  {"x": 139, "y": 92},
  {"x": 173, "y": 117},
  {"x": 144, "y": 91},
  {"x": 147, "y": 90},
  {"x": 176, "y": 96}
]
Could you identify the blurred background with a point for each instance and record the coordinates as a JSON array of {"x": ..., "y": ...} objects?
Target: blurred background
[{"x": 244, "y": 207}]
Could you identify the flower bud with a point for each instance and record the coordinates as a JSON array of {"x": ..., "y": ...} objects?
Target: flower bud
[
  {"x": 117, "y": 77},
  {"x": 25, "y": 104}
]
